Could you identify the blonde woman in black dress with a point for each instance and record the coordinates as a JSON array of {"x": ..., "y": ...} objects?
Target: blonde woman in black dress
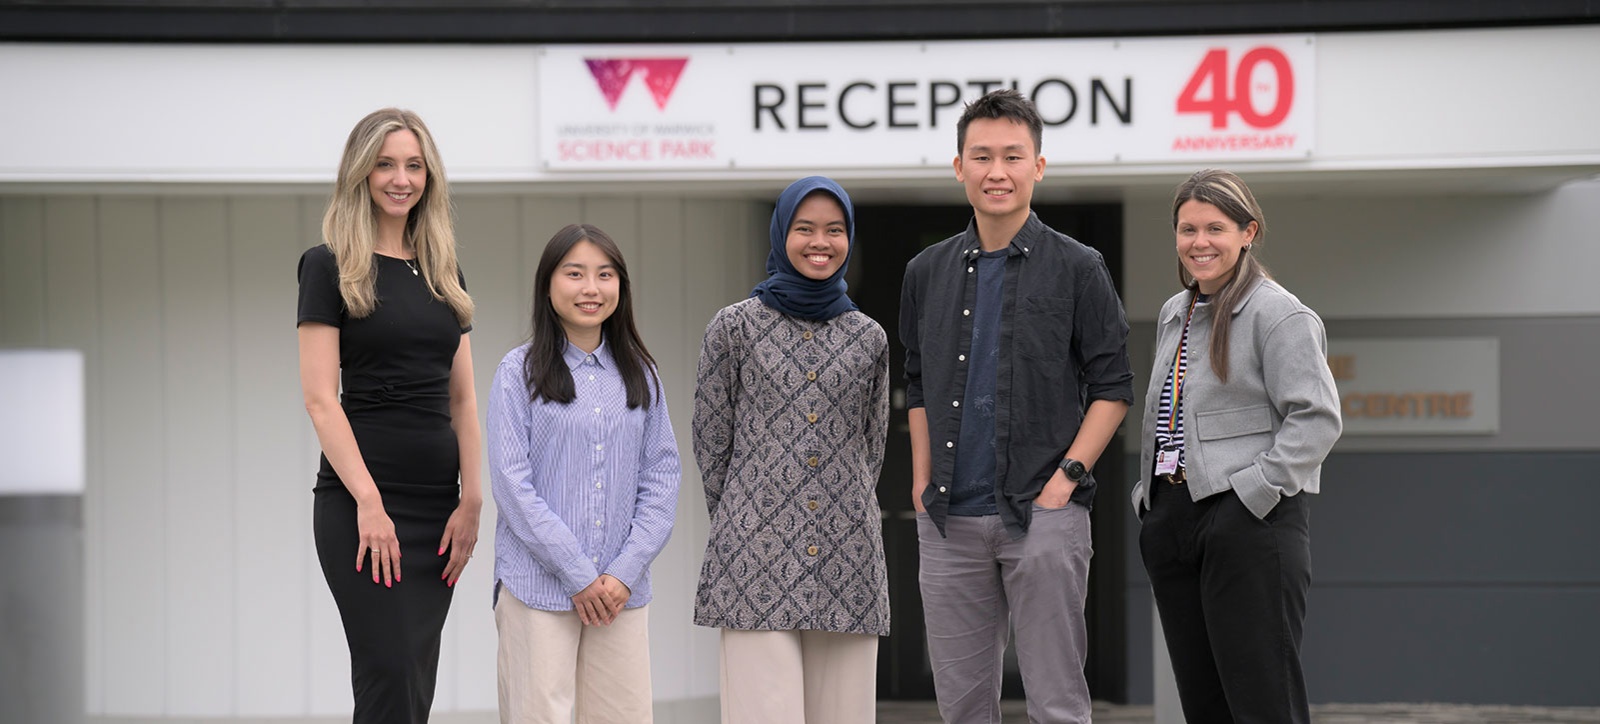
[{"x": 384, "y": 313}]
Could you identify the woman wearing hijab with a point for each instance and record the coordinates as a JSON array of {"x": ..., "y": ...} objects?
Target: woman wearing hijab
[{"x": 791, "y": 409}]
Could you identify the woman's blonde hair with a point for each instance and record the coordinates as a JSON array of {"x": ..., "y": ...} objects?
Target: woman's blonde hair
[{"x": 349, "y": 228}]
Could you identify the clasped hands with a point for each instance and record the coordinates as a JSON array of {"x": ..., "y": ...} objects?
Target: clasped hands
[{"x": 599, "y": 602}]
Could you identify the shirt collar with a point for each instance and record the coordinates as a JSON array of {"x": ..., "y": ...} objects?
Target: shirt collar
[
  {"x": 576, "y": 357},
  {"x": 1022, "y": 243}
]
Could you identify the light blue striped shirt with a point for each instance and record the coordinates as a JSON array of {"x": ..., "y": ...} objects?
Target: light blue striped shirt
[{"x": 584, "y": 488}]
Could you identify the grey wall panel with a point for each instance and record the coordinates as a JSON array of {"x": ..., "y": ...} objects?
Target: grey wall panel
[
  {"x": 272, "y": 500},
  {"x": 22, "y": 321},
  {"x": 1458, "y": 519},
  {"x": 1474, "y": 645},
  {"x": 196, "y": 416},
  {"x": 134, "y": 487}
]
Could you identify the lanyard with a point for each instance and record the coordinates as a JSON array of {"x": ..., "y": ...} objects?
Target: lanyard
[{"x": 1178, "y": 371}]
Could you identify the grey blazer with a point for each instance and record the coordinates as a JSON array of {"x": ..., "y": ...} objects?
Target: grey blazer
[{"x": 1265, "y": 433}]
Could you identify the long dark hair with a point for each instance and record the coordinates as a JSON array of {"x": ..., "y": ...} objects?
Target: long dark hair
[
  {"x": 1228, "y": 193},
  {"x": 545, "y": 370}
]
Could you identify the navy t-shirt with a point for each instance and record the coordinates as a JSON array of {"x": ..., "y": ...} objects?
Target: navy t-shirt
[{"x": 974, "y": 485}]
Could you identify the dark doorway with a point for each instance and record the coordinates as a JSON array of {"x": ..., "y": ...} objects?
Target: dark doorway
[{"x": 889, "y": 236}]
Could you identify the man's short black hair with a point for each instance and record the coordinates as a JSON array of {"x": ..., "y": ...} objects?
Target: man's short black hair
[{"x": 1004, "y": 103}]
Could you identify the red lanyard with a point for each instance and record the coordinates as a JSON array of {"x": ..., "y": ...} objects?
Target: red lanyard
[{"x": 1178, "y": 371}]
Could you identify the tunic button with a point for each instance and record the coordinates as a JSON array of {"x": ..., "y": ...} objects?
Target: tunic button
[
  {"x": 961, "y": 358},
  {"x": 812, "y": 418},
  {"x": 966, "y": 312},
  {"x": 811, "y": 504},
  {"x": 941, "y": 488},
  {"x": 812, "y": 461},
  {"x": 806, "y": 335},
  {"x": 969, "y": 270},
  {"x": 811, "y": 551},
  {"x": 811, "y": 376},
  {"x": 955, "y": 403},
  {"x": 949, "y": 444}
]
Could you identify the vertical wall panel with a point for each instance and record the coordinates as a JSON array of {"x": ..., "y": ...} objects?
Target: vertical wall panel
[
  {"x": 618, "y": 216},
  {"x": 71, "y": 320},
  {"x": 134, "y": 485},
  {"x": 199, "y": 416},
  {"x": 328, "y": 670},
  {"x": 656, "y": 270},
  {"x": 22, "y": 275},
  {"x": 271, "y": 486},
  {"x": 488, "y": 233}
]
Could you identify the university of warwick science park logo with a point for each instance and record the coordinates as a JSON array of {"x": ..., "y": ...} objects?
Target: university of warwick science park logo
[{"x": 660, "y": 76}]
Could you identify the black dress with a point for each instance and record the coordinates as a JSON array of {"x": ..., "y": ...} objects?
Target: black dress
[{"x": 395, "y": 374}]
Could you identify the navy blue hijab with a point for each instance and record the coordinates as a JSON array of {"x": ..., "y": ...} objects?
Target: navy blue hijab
[{"x": 785, "y": 289}]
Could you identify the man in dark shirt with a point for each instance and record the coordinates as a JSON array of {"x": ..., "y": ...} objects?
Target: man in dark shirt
[{"x": 1010, "y": 329}]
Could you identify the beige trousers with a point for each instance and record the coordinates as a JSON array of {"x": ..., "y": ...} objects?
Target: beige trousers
[
  {"x": 798, "y": 677},
  {"x": 549, "y": 660}
]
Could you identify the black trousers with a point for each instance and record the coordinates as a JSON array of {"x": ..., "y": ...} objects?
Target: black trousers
[
  {"x": 393, "y": 633},
  {"x": 1231, "y": 592}
]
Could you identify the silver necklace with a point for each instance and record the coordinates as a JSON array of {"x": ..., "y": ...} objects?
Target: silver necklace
[{"x": 412, "y": 264}]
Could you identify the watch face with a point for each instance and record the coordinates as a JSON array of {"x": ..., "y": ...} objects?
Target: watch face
[{"x": 1075, "y": 470}]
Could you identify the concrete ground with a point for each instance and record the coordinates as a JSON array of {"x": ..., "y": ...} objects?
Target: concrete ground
[{"x": 924, "y": 712}]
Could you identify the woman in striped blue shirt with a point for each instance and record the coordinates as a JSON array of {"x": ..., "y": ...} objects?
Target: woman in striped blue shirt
[{"x": 584, "y": 468}]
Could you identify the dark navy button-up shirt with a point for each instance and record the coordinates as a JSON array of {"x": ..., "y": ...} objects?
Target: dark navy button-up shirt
[{"x": 1063, "y": 344}]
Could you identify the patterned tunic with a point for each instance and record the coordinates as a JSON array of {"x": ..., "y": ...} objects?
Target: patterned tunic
[{"x": 790, "y": 417}]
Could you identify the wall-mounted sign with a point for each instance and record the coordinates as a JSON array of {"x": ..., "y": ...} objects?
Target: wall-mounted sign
[
  {"x": 1417, "y": 386},
  {"x": 1185, "y": 100}
]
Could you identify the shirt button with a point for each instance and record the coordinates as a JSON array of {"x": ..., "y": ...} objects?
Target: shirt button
[
  {"x": 969, "y": 270},
  {"x": 949, "y": 444},
  {"x": 812, "y": 461},
  {"x": 966, "y": 312},
  {"x": 599, "y": 447},
  {"x": 597, "y": 524},
  {"x": 596, "y": 559},
  {"x": 811, "y": 376},
  {"x": 961, "y": 358},
  {"x": 599, "y": 484},
  {"x": 811, "y": 550},
  {"x": 955, "y": 403},
  {"x": 591, "y": 378},
  {"x": 941, "y": 488},
  {"x": 590, "y": 358},
  {"x": 812, "y": 418},
  {"x": 596, "y": 410},
  {"x": 811, "y": 504},
  {"x": 806, "y": 335}
]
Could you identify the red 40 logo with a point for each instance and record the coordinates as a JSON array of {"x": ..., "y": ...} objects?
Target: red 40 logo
[{"x": 1238, "y": 96}]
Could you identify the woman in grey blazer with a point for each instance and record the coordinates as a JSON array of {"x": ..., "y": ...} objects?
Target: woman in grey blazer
[{"x": 1240, "y": 413}]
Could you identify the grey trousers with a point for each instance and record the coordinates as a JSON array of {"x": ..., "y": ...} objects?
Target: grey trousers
[{"x": 977, "y": 580}]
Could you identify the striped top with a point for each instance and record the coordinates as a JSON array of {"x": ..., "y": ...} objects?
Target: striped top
[
  {"x": 583, "y": 488},
  {"x": 1166, "y": 432}
]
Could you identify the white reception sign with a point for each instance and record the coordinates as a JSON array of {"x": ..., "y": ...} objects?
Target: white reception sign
[{"x": 873, "y": 105}]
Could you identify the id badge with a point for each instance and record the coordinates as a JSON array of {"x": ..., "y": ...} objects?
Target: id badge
[{"x": 1167, "y": 460}]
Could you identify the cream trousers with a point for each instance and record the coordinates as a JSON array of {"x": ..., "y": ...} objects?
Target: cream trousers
[{"x": 549, "y": 662}]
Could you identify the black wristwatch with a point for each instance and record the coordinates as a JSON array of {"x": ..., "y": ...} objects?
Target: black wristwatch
[{"x": 1075, "y": 470}]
